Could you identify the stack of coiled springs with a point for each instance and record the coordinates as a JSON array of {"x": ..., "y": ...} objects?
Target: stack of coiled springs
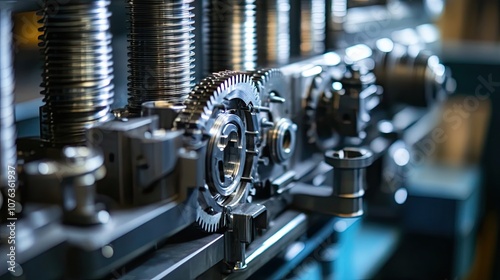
[
  {"x": 313, "y": 27},
  {"x": 273, "y": 30},
  {"x": 161, "y": 51},
  {"x": 232, "y": 35},
  {"x": 78, "y": 69},
  {"x": 7, "y": 124}
]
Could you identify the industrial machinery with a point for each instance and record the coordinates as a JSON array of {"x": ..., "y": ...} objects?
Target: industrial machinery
[{"x": 224, "y": 155}]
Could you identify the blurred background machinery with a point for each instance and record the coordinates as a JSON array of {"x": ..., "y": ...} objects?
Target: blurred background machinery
[{"x": 221, "y": 139}]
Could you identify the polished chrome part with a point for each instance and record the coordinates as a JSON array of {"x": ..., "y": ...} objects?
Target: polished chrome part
[
  {"x": 161, "y": 51},
  {"x": 78, "y": 70},
  {"x": 226, "y": 153},
  {"x": 223, "y": 107},
  {"x": 276, "y": 126},
  {"x": 344, "y": 198},
  {"x": 232, "y": 35},
  {"x": 277, "y": 131},
  {"x": 282, "y": 140},
  {"x": 273, "y": 32},
  {"x": 7, "y": 122},
  {"x": 349, "y": 179}
]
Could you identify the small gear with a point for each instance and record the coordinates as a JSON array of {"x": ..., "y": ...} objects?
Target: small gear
[
  {"x": 278, "y": 132},
  {"x": 315, "y": 114},
  {"x": 223, "y": 107}
]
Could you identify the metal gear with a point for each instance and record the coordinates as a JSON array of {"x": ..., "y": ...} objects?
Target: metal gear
[
  {"x": 277, "y": 131},
  {"x": 223, "y": 107},
  {"x": 319, "y": 89}
]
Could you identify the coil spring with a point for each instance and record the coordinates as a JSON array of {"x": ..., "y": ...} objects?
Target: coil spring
[
  {"x": 78, "y": 70},
  {"x": 161, "y": 51},
  {"x": 232, "y": 35}
]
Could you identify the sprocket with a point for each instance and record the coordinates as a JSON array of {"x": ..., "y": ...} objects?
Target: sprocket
[{"x": 223, "y": 107}]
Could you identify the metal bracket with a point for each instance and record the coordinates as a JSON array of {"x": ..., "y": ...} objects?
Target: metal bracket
[{"x": 244, "y": 222}]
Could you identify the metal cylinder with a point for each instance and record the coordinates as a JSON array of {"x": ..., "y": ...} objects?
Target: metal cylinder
[
  {"x": 78, "y": 70},
  {"x": 232, "y": 35},
  {"x": 273, "y": 32},
  {"x": 7, "y": 122},
  {"x": 161, "y": 51},
  {"x": 313, "y": 27},
  {"x": 349, "y": 179},
  {"x": 416, "y": 78}
]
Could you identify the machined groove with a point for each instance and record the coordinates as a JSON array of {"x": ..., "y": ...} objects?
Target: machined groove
[
  {"x": 232, "y": 36},
  {"x": 161, "y": 51},
  {"x": 78, "y": 70}
]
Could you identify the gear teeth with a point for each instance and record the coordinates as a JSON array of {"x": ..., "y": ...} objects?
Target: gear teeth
[
  {"x": 206, "y": 95},
  {"x": 266, "y": 80},
  {"x": 205, "y": 98}
]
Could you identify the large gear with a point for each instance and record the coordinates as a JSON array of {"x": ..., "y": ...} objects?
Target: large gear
[
  {"x": 277, "y": 130},
  {"x": 223, "y": 107}
]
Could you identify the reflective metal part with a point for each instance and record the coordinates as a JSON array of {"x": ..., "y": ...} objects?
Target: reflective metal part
[
  {"x": 276, "y": 125},
  {"x": 348, "y": 102},
  {"x": 411, "y": 77},
  {"x": 7, "y": 122},
  {"x": 235, "y": 155},
  {"x": 75, "y": 173},
  {"x": 349, "y": 179},
  {"x": 223, "y": 107},
  {"x": 139, "y": 158},
  {"x": 273, "y": 32},
  {"x": 161, "y": 51},
  {"x": 167, "y": 112},
  {"x": 78, "y": 70},
  {"x": 313, "y": 25},
  {"x": 226, "y": 153},
  {"x": 244, "y": 222},
  {"x": 282, "y": 140},
  {"x": 345, "y": 197},
  {"x": 232, "y": 35}
]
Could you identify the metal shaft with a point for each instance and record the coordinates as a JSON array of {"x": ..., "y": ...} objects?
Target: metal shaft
[
  {"x": 232, "y": 35},
  {"x": 78, "y": 69},
  {"x": 273, "y": 32},
  {"x": 7, "y": 122},
  {"x": 161, "y": 51}
]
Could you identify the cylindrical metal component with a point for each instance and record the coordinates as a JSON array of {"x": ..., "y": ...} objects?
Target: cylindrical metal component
[
  {"x": 232, "y": 35},
  {"x": 349, "y": 179},
  {"x": 166, "y": 112},
  {"x": 78, "y": 70},
  {"x": 273, "y": 32},
  {"x": 70, "y": 181},
  {"x": 7, "y": 122},
  {"x": 313, "y": 27},
  {"x": 413, "y": 77},
  {"x": 161, "y": 51},
  {"x": 282, "y": 139}
]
